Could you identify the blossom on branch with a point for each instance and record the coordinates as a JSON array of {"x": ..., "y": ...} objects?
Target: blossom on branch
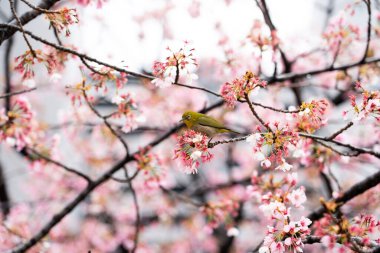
[
  {"x": 104, "y": 74},
  {"x": 333, "y": 230},
  {"x": 150, "y": 165},
  {"x": 231, "y": 92},
  {"x": 287, "y": 237},
  {"x": 369, "y": 106},
  {"x": 16, "y": 123},
  {"x": 262, "y": 37},
  {"x": 179, "y": 65},
  {"x": 311, "y": 115},
  {"x": 192, "y": 149},
  {"x": 277, "y": 142},
  {"x": 26, "y": 61},
  {"x": 62, "y": 19},
  {"x": 218, "y": 213}
]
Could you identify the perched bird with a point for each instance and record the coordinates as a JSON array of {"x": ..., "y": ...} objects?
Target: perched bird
[{"x": 205, "y": 124}]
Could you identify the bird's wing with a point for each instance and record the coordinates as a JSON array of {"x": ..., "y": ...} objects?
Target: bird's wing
[{"x": 210, "y": 122}]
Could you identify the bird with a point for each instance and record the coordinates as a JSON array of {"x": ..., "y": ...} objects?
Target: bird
[{"x": 204, "y": 124}]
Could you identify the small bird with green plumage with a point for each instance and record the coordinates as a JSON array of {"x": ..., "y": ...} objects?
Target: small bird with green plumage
[{"x": 204, "y": 124}]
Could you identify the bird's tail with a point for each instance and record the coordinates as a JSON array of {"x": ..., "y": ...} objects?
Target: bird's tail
[{"x": 227, "y": 130}]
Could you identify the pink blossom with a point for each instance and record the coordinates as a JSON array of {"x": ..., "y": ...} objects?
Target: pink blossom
[
  {"x": 178, "y": 66},
  {"x": 231, "y": 92},
  {"x": 61, "y": 19},
  {"x": 192, "y": 149}
]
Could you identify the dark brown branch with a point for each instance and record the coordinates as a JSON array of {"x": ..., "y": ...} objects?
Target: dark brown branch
[
  {"x": 181, "y": 197},
  {"x": 295, "y": 76},
  {"x": 84, "y": 57},
  {"x": 275, "y": 109},
  {"x": 4, "y": 195},
  {"x": 39, "y": 8},
  {"x": 279, "y": 78},
  {"x": 137, "y": 210},
  {"x": 369, "y": 29},
  {"x": 25, "y": 18},
  {"x": 336, "y": 54},
  {"x": 104, "y": 118},
  {"x": 68, "y": 169},
  {"x": 82, "y": 195},
  {"x": 213, "y": 144},
  {"x": 13, "y": 9},
  {"x": 316, "y": 239},
  {"x": 357, "y": 150},
  {"x": 268, "y": 20},
  {"x": 255, "y": 113},
  {"x": 350, "y": 124},
  {"x": 11, "y": 94},
  {"x": 351, "y": 193},
  {"x": 306, "y": 54},
  {"x": 327, "y": 183},
  {"x": 69, "y": 207}
]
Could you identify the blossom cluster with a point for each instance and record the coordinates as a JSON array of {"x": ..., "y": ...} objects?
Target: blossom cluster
[
  {"x": 52, "y": 58},
  {"x": 192, "y": 149},
  {"x": 218, "y": 213},
  {"x": 275, "y": 195},
  {"x": 75, "y": 92},
  {"x": 343, "y": 230},
  {"x": 369, "y": 105},
  {"x": 62, "y": 19},
  {"x": 127, "y": 110},
  {"x": 288, "y": 238},
  {"x": 258, "y": 37},
  {"x": 26, "y": 61},
  {"x": 278, "y": 142},
  {"x": 179, "y": 64},
  {"x": 311, "y": 115},
  {"x": 16, "y": 123},
  {"x": 107, "y": 74},
  {"x": 150, "y": 165},
  {"x": 239, "y": 87},
  {"x": 339, "y": 33}
]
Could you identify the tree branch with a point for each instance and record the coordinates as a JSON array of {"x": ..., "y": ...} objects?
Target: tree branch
[
  {"x": 25, "y": 18},
  {"x": 351, "y": 193},
  {"x": 83, "y": 194}
]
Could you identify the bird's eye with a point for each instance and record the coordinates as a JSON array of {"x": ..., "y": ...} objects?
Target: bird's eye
[{"x": 189, "y": 117}]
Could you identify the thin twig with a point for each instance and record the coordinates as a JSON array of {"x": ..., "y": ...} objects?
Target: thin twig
[
  {"x": 137, "y": 210},
  {"x": 369, "y": 29},
  {"x": 255, "y": 113},
  {"x": 276, "y": 109},
  {"x": 278, "y": 78},
  {"x": 12, "y": 4},
  {"x": 83, "y": 194},
  {"x": 56, "y": 35},
  {"x": 336, "y": 54},
  {"x": 349, "y": 146},
  {"x": 181, "y": 197},
  {"x": 327, "y": 183},
  {"x": 17, "y": 93},
  {"x": 351, "y": 193},
  {"x": 92, "y": 108},
  {"x": 331, "y": 137},
  {"x": 68, "y": 169},
  {"x": 92, "y": 68},
  {"x": 25, "y": 18},
  {"x": 40, "y": 9},
  {"x": 213, "y": 144}
]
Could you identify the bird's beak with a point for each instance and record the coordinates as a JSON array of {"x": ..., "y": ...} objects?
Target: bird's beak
[{"x": 181, "y": 120}]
